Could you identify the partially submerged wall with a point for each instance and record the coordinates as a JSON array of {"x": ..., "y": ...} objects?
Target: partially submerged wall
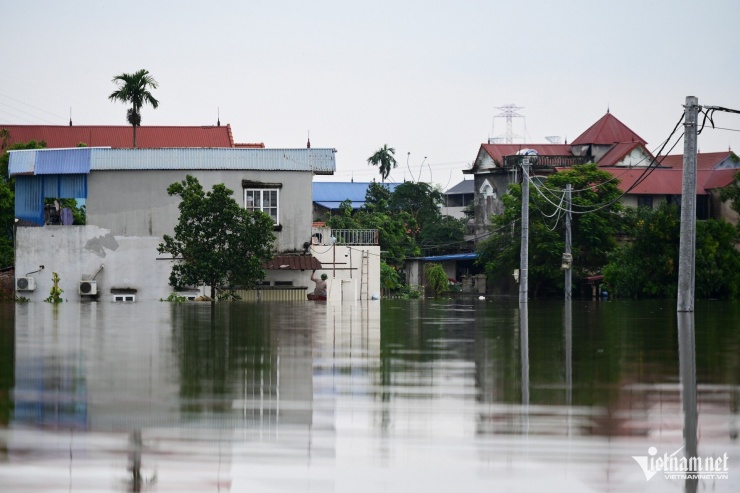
[{"x": 77, "y": 253}]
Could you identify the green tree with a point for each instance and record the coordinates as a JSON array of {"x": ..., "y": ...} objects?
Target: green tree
[
  {"x": 420, "y": 200},
  {"x": 134, "y": 89},
  {"x": 384, "y": 159},
  {"x": 447, "y": 235},
  {"x": 217, "y": 242},
  {"x": 436, "y": 279},
  {"x": 647, "y": 267},
  {"x": 595, "y": 223}
]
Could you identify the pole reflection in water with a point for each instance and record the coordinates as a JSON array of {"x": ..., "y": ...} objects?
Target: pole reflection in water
[
  {"x": 568, "y": 322},
  {"x": 687, "y": 369},
  {"x": 524, "y": 346}
]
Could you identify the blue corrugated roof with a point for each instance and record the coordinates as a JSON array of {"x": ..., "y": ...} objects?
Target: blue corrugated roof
[
  {"x": 454, "y": 256},
  {"x": 335, "y": 205},
  {"x": 331, "y": 191},
  {"x": 58, "y": 161}
]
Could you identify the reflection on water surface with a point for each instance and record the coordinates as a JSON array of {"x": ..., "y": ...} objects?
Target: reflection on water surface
[{"x": 391, "y": 396}]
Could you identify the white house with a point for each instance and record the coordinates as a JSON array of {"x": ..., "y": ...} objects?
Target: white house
[{"x": 115, "y": 255}]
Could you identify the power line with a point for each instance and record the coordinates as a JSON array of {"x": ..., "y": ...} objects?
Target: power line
[{"x": 32, "y": 106}]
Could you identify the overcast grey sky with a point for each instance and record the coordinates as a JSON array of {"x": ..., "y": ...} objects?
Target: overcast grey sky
[{"x": 423, "y": 77}]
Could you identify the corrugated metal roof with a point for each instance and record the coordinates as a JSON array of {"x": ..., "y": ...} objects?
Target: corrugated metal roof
[
  {"x": 666, "y": 181},
  {"x": 319, "y": 161},
  {"x": 293, "y": 262},
  {"x": 442, "y": 258},
  {"x": 21, "y": 163},
  {"x": 606, "y": 131},
  {"x": 330, "y": 191},
  {"x": 121, "y": 136},
  {"x": 464, "y": 187},
  {"x": 335, "y": 204},
  {"x": 704, "y": 160},
  {"x": 61, "y": 162}
]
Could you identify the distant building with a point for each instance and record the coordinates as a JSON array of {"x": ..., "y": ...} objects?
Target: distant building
[
  {"x": 129, "y": 210},
  {"x": 457, "y": 199},
  {"x": 616, "y": 149}
]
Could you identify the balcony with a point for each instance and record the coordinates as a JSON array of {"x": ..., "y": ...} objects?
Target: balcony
[
  {"x": 329, "y": 236},
  {"x": 546, "y": 162}
]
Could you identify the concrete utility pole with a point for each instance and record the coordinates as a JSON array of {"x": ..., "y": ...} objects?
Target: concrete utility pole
[
  {"x": 524, "y": 252},
  {"x": 687, "y": 245},
  {"x": 568, "y": 257}
]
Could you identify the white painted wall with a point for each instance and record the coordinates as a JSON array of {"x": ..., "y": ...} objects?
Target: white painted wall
[
  {"x": 343, "y": 264},
  {"x": 78, "y": 252}
]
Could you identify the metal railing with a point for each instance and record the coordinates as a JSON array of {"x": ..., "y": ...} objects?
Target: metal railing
[
  {"x": 547, "y": 162},
  {"x": 355, "y": 236},
  {"x": 323, "y": 236}
]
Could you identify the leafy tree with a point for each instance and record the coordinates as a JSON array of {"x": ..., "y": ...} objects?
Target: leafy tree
[
  {"x": 436, "y": 279},
  {"x": 134, "y": 89},
  {"x": 593, "y": 233},
  {"x": 377, "y": 197},
  {"x": 420, "y": 200},
  {"x": 384, "y": 159},
  {"x": 394, "y": 238},
  {"x": 217, "y": 242},
  {"x": 648, "y": 266},
  {"x": 443, "y": 236},
  {"x": 717, "y": 260}
]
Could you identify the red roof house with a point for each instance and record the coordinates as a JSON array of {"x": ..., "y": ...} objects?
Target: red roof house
[{"x": 121, "y": 136}]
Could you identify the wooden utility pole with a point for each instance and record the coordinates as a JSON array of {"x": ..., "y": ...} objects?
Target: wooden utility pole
[
  {"x": 524, "y": 252},
  {"x": 687, "y": 245}
]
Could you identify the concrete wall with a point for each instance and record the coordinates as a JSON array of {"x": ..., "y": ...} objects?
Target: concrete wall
[
  {"x": 343, "y": 265},
  {"x": 485, "y": 207},
  {"x": 136, "y": 203},
  {"x": 78, "y": 252}
]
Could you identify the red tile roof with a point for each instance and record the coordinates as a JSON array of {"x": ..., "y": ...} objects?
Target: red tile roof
[
  {"x": 662, "y": 181},
  {"x": 293, "y": 262},
  {"x": 704, "y": 160},
  {"x": 120, "y": 136},
  {"x": 608, "y": 130}
]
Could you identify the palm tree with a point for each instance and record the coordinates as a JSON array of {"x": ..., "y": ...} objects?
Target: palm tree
[
  {"x": 384, "y": 160},
  {"x": 134, "y": 89}
]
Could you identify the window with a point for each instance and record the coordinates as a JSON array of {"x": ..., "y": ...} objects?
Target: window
[
  {"x": 645, "y": 201},
  {"x": 265, "y": 200}
]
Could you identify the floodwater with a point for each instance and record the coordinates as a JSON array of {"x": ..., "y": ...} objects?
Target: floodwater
[{"x": 394, "y": 396}]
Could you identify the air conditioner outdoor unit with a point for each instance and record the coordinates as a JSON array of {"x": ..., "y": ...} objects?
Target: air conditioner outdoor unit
[
  {"x": 25, "y": 284},
  {"x": 88, "y": 287}
]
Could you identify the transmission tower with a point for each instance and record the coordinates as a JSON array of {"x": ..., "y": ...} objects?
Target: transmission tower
[{"x": 509, "y": 111}]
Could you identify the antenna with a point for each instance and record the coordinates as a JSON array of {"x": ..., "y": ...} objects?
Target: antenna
[
  {"x": 70, "y": 116},
  {"x": 308, "y": 142},
  {"x": 218, "y": 112},
  {"x": 554, "y": 139}
]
